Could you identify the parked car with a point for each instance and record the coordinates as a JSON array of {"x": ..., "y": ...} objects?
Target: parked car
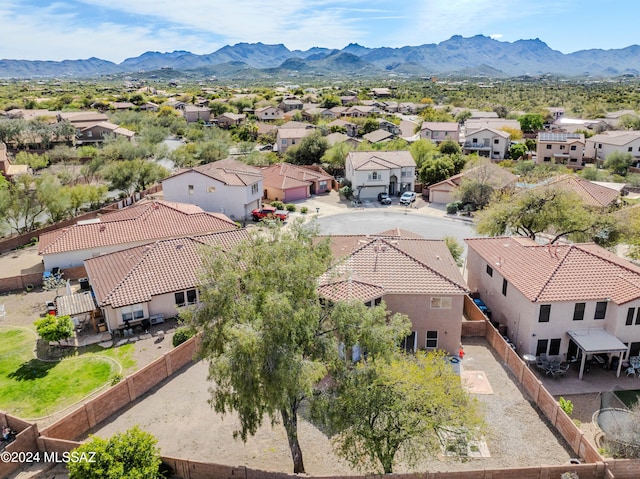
[
  {"x": 483, "y": 307},
  {"x": 269, "y": 212},
  {"x": 407, "y": 198},
  {"x": 384, "y": 198}
]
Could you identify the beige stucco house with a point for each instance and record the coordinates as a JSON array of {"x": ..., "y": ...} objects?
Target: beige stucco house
[
  {"x": 487, "y": 142},
  {"x": 490, "y": 174},
  {"x": 564, "y": 300},
  {"x": 414, "y": 276},
  {"x": 439, "y": 131},
  {"x": 374, "y": 172},
  {"x": 225, "y": 186},
  {"x": 564, "y": 148}
]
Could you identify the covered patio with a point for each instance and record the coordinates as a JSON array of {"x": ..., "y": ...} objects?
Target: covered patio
[{"x": 597, "y": 341}]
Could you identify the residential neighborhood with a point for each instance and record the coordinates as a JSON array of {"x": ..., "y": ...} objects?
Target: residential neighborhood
[{"x": 501, "y": 245}]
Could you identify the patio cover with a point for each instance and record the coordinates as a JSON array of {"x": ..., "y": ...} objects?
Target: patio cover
[
  {"x": 75, "y": 304},
  {"x": 594, "y": 341}
]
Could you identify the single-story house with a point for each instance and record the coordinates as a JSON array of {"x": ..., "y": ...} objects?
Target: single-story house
[
  {"x": 226, "y": 186},
  {"x": 378, "y": 136},
  {"x": 287, "y": 182},
  {"x": 154, "y": 280},
  {"x": 228, "y": 119},
  {"x": 498, "y": 178},
  {"x": 135, "y": 225}
]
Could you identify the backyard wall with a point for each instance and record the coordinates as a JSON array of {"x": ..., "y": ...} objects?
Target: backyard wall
[{"x": 62, "y": 435}]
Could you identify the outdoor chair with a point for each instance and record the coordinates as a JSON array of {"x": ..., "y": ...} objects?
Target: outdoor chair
[
  {"x": 630, "y": 372},
  {"x": 561, "y": 370}
]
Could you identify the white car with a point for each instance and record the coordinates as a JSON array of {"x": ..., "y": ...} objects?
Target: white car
[{"x": 407, "y": 198}]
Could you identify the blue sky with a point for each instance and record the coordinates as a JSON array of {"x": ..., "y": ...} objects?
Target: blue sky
[{"x": 117, "y": 29}]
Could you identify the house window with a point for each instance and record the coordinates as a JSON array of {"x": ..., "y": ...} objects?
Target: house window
[
  {"x": 130, "y": 313},
  {"x": 190, "y": 188},
  {"x": 630, "y": 313},
  {"x": 541, "y": 347},
  {"x": 630, "y": 148},
  {"x": 377, "y": 301},
  {"x": 578, "y": 312},
  {"x": 489, "y": 270},
  {"x": 322, "y": 185},
  {"x": 638, "y": 317},
  {"x": 254, "y": 188},
  {"x": 409, "y": 343},
  {"x": 554, "y": 347},
  {"x": 573, "y": 148},
  {"x": 496, "y": 142},
  {"x": 432, "y": 340},
  {"x": 548, "y": 147},
  {"x": 547, "y": 158},
  {"x": 504, "y": 287},
  {"x": 474, "y": 140},
  {"x": 441, "y": 303},
  {"x": 601, "y": 310},
  {"x": 562, "y": 147},
  {"x": 179, "y": 298},
  {"x": 283, "y": 141},
  {"x": 545, "y": 312},
  {"x": 192, "y": 296},
  {"x": 599, "y": 146}
]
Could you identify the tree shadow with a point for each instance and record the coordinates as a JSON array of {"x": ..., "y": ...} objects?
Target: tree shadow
[{"x": 32, "y": 369}]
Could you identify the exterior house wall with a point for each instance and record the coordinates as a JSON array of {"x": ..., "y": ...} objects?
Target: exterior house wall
[
  {"x": 212, "y": 195},
  {"x": 559, "y": 152},
  {"x": 291, "y": 194},
  {"x": 448, "y": 322},
  {"x": 195, "y": 115},
  {"x": 439, "y": 136},
  {"x": 371, "y": 187},
  {"x": 284, "y": 142},
  {"x": 441, "y": 194},
  {"x": 72, "y": 259},
  {"x": 487, "y": 143},
  {"x": 521, "y": 316},
  {"x": 599, "y": 150}
]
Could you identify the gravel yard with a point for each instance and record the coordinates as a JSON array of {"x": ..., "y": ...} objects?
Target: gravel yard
[{"x": 178, "y": 414}]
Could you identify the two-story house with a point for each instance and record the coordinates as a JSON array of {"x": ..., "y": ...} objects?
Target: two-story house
[
  {"x": 439, "y": 131},
  {"x": 226, "y": 186},
  {"x": 228, "y": 119},
  {"x": 370, "y": 268},
  {"x": 268, "y": 113},
  {"x": 600, "y": 146},
  {"x": 374, "y": 172},
  {"x": 563, "y": 148},
  {"x": 487, "y": 142},
  {"x": 287, "y": 137},
  {"x": 565, "y": 300}
]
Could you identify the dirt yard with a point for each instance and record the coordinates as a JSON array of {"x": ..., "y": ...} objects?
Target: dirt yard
[{"x": 178, "y": 413}]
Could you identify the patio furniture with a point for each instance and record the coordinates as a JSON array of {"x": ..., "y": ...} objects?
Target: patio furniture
[
  {"x": 560, "y": 370},
  {"x": 630, "y": 372}
]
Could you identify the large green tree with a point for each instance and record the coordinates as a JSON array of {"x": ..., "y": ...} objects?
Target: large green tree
[
  {"x": 531, "y": 122},
  {"x": 619, "y": 162},
  {"x": 386, "y": 407},
  {"x": 54, "y": 328},
  {"x": 552, "y": 210},
  {"x": 132, "y": 454},
  {"x": 310, "y": 150},
  {"x": 268, "y": 336}
]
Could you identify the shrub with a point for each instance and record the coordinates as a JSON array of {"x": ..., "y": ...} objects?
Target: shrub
[
  {"x": 116, "y": 379},
  {"x": 290, "y": 207},
  {"x": 277, "y": 204},
  {"x": 346, "y": 191},
  {"x": 304, "y": 210},
  {"x": 452, "y": 208},
  {"x": 181, "y": 335},
  {"x": 566, "y": 405}
]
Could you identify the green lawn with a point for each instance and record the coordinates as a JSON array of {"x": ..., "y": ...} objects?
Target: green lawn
[
  {"x": 30, "y": 388},
  {"x": 629, "y": 398}
]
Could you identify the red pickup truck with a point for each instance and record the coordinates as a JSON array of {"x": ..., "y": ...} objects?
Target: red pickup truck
[{"x": 269, "y": 212}]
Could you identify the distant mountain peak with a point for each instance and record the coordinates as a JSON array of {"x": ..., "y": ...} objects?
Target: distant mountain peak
[{"x": 460, "y": 55}]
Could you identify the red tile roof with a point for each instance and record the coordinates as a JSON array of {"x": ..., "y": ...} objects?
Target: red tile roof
[
  {"x": 286, "y": 175},
  {"x": 565, "y": 272},
  {"x": 135, "y": 275},
  {"x": 227, "y": 171},
  {"x": 397, "y": 264},
  {"x": 144, "y": 221},
  {"x": 591, "y": 193}
]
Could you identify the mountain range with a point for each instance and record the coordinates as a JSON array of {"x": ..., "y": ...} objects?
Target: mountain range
[{"x": 469, "y": 56}]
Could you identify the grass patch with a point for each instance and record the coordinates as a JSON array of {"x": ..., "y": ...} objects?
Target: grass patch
[
  {"x": 31, "y": 388},
  {"x": 122, "y": 354},
  {"x": 629, "y": 398}
]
